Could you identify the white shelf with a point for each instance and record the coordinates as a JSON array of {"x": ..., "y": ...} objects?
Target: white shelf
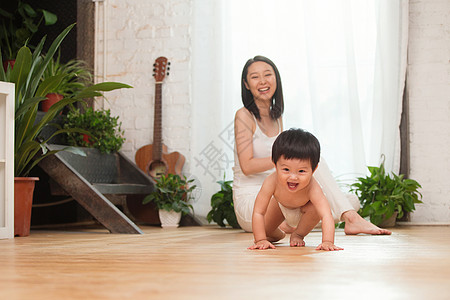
[{"x": 6, "y": 160}]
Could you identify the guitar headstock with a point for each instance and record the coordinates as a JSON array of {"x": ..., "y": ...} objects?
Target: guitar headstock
[{"x": 161, "y": 68}]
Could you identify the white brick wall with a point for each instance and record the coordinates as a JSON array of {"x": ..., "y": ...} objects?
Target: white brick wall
[
  {"x": 429, "y": 92},
  {"x": 138, "y": 32}
]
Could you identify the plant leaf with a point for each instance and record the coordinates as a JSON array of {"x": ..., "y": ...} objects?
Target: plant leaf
[
  {"x": 94, "y": 90},
  {"x": 50, "y": 18},
  {"x": 19, "y": 73}
]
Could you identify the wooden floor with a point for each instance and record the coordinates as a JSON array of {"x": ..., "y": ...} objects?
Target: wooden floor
[{"x": 213, "y": 263}]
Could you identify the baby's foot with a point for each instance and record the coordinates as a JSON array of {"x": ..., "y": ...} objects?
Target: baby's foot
[
  {"x": 355, "y": 224},
  {"x": 297, "y": 240}
]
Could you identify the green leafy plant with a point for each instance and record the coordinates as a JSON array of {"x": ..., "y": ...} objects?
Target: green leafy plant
[
  {"x": 382, "y": 195},
  {"x": 19, "y": 24},
  {"x": 222, "y": 206},
  {"x": 105, "y": 133},
  {"x": 75, "y": 75},
  {"x": 29, "y": 91},
  {"x": 29, "y": 149},
  {"x": 172, "y": 193}
]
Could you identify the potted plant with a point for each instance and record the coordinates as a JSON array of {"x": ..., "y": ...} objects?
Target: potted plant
[
  {"x": 29, "y": 91},
  {"x": 74, "y": 77},
  {"x": 385, "y": 198},
  {"x": 222, "y": 207},
  {"x": 171, "y": 195},
  {"x": 19, "y": 22},
  {"x": 105, "y": 132}
]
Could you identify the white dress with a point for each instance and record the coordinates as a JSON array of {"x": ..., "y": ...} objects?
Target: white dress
[{"x": 246, "y": 188}]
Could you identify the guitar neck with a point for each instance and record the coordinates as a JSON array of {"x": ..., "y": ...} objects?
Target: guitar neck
[{"x": 157, "y": 125}]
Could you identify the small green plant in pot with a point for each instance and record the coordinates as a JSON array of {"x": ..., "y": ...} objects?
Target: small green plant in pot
[
  {"x": 105, "y": 132},
  {"x": 222, "y": 207},
  {"x": 383, "y": 196},
  {"x": 75, "y": 75},
  {"x": 172, "y": 194}
]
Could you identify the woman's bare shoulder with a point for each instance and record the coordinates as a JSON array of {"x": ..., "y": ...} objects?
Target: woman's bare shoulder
[
  {"x": 243, "y": 113},
  {"x": 243, "y": 116}
]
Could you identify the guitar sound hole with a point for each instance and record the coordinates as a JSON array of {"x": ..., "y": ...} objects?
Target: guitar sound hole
[{"x": 157, "y": 168}]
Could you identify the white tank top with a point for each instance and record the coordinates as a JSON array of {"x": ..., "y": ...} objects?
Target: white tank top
[{"x": 262, "y": 147}]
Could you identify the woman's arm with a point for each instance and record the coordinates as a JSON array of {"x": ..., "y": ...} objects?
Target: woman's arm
[{"x": 244, "y": 128}]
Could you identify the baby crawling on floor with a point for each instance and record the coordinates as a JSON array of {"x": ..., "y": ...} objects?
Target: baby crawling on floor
[{"x": 292, "y": 194}]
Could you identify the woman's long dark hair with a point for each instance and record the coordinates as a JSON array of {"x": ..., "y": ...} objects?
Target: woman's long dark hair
[{"x": 277, "y": 105}]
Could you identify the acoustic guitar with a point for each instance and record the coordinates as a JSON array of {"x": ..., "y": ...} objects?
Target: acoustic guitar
[{"x": 153, "y": 159}]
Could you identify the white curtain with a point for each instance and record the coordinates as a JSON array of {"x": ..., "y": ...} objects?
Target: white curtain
[{"x": 342, "y": 66}]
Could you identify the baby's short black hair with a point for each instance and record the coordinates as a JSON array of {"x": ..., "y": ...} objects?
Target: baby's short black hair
[{"x": 297, "y": 143}]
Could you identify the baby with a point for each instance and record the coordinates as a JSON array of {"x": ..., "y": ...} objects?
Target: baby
[{"x": 292, "y": 194}]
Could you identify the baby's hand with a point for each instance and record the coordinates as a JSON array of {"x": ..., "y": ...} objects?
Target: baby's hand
[
  {"x": 328, "y": 246},
  {"x": 263, "y": 244}
]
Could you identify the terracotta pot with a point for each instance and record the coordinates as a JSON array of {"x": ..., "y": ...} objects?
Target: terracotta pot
[
  {"x": 51, "y": 99},
  {"x": 169, "y": 219},
  {"x": 23, "y": 199}
]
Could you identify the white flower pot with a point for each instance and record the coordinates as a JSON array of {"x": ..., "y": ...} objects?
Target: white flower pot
[{"x": 169, "y": 219}]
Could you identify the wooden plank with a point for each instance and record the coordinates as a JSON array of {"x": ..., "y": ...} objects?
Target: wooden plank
[{"x": 87, "y": 196}]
